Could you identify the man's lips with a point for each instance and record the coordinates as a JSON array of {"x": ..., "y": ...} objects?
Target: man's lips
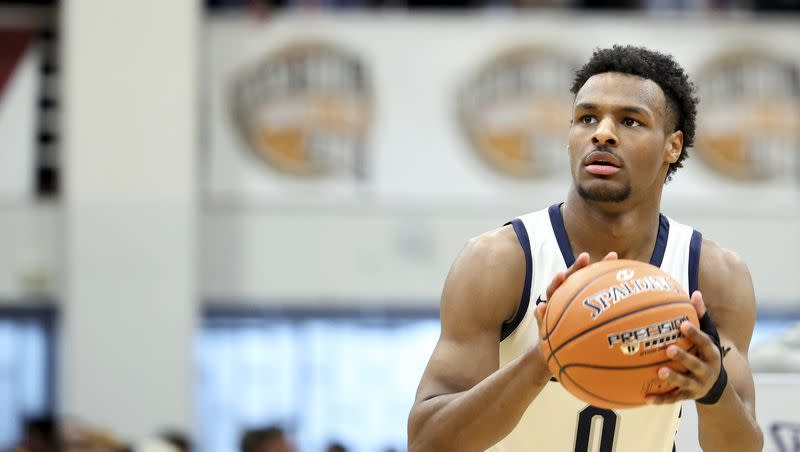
[
  {"x": 602, "y": 163},
  {"x": 602, "y": 170}
]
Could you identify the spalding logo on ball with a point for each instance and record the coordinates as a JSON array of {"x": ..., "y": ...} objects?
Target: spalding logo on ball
[{"x": 607, "y": 328}]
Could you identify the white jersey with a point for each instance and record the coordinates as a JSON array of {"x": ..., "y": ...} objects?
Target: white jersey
[{"x": 557, "y": 421}]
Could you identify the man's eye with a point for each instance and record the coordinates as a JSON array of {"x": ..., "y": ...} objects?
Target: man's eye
[
  {"x": 588, "y": 119},
  {"x": 630, "y": 122}
]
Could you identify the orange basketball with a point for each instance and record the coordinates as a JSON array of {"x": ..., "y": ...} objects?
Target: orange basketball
[{"x": 606, "y": 330}]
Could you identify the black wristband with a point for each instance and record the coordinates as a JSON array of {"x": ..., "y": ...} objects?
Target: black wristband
[{"x": 715, "y": 393}]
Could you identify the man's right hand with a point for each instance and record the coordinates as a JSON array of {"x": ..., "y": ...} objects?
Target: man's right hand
[{"x": 581, "y": 261}]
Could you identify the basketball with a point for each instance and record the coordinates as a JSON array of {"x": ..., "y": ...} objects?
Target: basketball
[{"x": 607, "y": 328}]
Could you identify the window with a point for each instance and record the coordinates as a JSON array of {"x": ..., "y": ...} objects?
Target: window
[
  {"x": 345, "y": 377},
  {"x": 26, "y": 369}
]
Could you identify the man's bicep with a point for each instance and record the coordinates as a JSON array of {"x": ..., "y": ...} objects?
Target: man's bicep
[
  {"x": 481, "y": 291},
  {"x": 459, "y": 363}
]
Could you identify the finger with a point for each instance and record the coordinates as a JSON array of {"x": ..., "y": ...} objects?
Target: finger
[
  {"x": 612, "y": 256},
  {"x": 581, "y": 261},
  {"x": 698, "y": 303},
  {"x": 681, "y": 381},
  {"x": 557, "y": 281},
  {"x": 688, "y": 360},
  {"x": 670, "y": 397},
  {"x": 540, "y": 311},
  {"x": 708, "y": 350}
]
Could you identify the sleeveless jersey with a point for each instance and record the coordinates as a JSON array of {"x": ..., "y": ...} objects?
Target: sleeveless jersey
[{"x": 557, "y": 421}]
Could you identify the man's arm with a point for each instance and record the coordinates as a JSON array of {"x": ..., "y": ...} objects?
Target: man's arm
[
  {"x": 464, "y": 403},
  {"x": 730, "y": 423}
]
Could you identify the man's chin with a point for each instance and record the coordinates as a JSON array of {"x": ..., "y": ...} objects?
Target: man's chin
[{"x": 604, "y": 192}]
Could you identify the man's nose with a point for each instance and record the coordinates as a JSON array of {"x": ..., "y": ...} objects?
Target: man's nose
[{"x": 605, "y": 134}]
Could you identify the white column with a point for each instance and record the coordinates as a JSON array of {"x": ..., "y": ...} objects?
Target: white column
[{"x": 130, "y": 195}]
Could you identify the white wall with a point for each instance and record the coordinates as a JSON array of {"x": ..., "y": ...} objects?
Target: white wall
[
  {"x": 129, "y": 301},
  {"x": 361, "y": 253},
  {"x": 31, "y": 261}
]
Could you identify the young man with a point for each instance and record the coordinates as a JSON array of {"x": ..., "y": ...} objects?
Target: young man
[{"x": 487, "y": 385}]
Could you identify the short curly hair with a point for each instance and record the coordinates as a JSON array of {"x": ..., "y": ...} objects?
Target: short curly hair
[{"x": 660, "y": 68}]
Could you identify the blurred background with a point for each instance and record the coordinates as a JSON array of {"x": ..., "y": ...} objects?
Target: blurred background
[{"x": 225, "y": 225}]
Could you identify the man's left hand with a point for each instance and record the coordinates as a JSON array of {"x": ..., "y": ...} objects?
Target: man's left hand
[{"x": 703, "y": 368}]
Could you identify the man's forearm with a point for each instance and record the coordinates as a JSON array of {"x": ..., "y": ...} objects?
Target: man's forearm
[
  {"x": 728, "y": 425},
  {"x": 483, "y": 415}
]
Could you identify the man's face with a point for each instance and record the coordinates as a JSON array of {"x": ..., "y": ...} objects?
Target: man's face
[{"x": 618, "y": 145}]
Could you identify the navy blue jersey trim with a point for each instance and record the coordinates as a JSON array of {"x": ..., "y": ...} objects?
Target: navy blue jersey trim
[
  {"x": 561, "y": 234},
  {"x": 694, "y": 260},
  {"x": 524, "y": 241},
  {"x": 557, "y": 220},
  {"x": 661, "y": 241}
]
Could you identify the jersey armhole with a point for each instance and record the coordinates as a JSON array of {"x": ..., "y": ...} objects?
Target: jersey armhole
[
  {"x": 695, "y": 244},
  {"x": 522, "y": 235}
]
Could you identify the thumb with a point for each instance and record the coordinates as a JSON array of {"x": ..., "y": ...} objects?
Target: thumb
[
  {"x": 612, "y": 256},
  {"x": 699, "y": 305}
]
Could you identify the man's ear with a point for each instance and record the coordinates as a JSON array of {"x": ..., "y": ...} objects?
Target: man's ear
[{"x": 673, "y": 147}]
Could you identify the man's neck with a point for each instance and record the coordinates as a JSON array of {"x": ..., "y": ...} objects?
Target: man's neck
[{"x": 629, "y": 228}]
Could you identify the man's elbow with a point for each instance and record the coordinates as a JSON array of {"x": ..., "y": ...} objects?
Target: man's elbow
[
  {"x": 759, "y": 440},
  {"x": 417, "y": 441},
  {"x": 426, "y": 443},
  {"x": 752, "y": 443},
  {"x": 423, "y": 433}
]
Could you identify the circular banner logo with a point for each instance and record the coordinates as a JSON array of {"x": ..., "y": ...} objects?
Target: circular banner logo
[
  {"x": 516, "y": 111},
  {"x": 749, "y": 119},
  {"x": 305, "y": 110}
]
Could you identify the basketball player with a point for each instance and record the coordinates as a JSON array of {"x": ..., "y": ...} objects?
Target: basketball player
[{"x": 487, "y": 386}]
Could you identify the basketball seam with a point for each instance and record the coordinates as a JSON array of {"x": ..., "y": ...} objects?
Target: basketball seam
[
  {"x": 596, "y": 366},
  {"x": 548, "y": 331},
  {"x": 593, "y": 394},
  {"x": 638, "y": 366},
  {"x": 605, "y": 322},
  {"x": 561, "y": 370}
]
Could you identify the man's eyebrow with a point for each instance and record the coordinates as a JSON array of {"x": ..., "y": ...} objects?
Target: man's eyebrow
[
  {"x": 637, "y": 110},
  {"x": 626, "y": 108}
]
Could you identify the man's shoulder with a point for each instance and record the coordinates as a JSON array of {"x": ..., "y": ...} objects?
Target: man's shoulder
[
  {"x": 720, "y": 263},
  {"x": 497, "y": 247},
  {"x": 489, "y": 272},
  {"x": 724, "y": 278}
]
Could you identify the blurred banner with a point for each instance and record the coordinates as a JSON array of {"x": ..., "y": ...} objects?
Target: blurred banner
[
  {"x": 19, "y": 87},
  {"x": 397, "y": 106},
  {"x": 388, "y": 139}
]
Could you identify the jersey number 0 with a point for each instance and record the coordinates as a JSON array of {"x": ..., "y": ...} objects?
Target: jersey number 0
[{"x": 583, "y": 434}]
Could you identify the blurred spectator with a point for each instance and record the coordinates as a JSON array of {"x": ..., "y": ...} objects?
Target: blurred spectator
[
  {"x": 336, "y": 447},
  {"x": 156, "y": 445},
  {"x": 178, "y": 439},
  {"x": 269, "y": 439},
  {"x": 78, "y": 438},
  {"x": 40, "y": 435}
]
